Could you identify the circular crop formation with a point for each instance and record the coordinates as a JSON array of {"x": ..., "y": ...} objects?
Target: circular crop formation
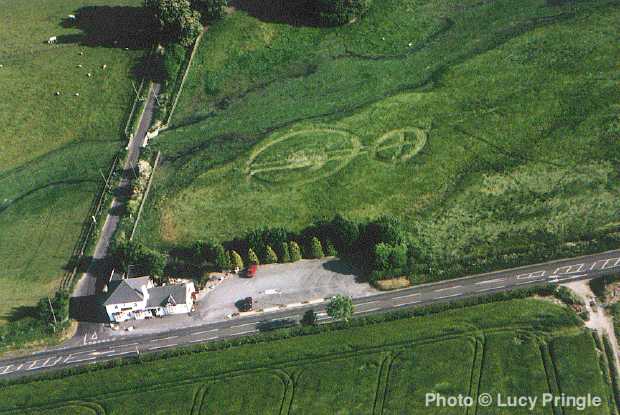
[{"x": 311, "y": 154}]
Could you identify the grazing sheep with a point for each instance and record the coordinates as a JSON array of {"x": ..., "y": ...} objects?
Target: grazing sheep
[
  {"x": 89, "y": 74},
  {"x": 71, "y": 17},
  {"x": 104, "y": 66},
  {"x": 81, "y": 53},
  {"x": 1, "y": 66},
  {"x": 52, "y": 40},
  {"x": 410, "y": 44},
  {"x": 57, "y": 93},
  {"x": 77, "y": 94},
  {"x": 79, "y": 65}
]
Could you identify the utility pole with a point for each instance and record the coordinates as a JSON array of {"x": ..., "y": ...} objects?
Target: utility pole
[{"x": 53, "y": 314}]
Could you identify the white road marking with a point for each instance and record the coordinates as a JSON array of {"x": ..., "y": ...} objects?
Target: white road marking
[
  {"x": 447, "y": 288},
  {"x": 203, "y": 332},
  {"x": 404, "y": 304},
  {"x": 369, "y": 302},
  {"x": 165, "y": 338},
  {"x": 569, "y": 269},
  {"x": 535, "y": 274},
  {"x": 405, "y": 296},
  {"x": 242, "y": 325},
  {"x": 204, "y": 339},
  {"x": 448, "y": 296},
  {"x": 490, "y": 281},
  {"x": 83, "y": 360}
]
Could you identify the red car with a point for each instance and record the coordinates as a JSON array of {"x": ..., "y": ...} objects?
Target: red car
[{"x": 250, "y": 272}]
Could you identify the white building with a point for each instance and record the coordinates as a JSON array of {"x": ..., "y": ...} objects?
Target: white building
[{"x": 139, "y": 298}]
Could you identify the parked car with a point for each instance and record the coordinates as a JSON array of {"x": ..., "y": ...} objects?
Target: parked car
[
  {"x": 246, "y": 304},
  {"x": 250, "y": 271}
]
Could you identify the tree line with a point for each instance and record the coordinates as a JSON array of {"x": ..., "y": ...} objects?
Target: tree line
[
  {"x": 181, "y": 20},
  {"x": 380, "y": 248}
]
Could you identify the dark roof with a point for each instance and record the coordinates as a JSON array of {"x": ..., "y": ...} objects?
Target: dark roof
[
  {"x": 125, "y": 291},
  {"x": 160, "y": 296}
]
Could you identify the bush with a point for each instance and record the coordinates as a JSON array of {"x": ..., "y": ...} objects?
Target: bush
[
  {"x": 270, "y": 256},
  {"x": 340, "y": 308},
  {"x": 283, "y": 253},
  {"x": 567, "y": 296},
  {"x": 339, "y": 12},
  {"x": 222, "y": 259},
  {"x": 315, "y": 249},
  {"x": 235, "y": 260},
  {"x": 252, "y": 257},
  {"x": 295, "y": 251},
  {"x": 330, "y": 249},
  {"x": 173, "y": 59},
  {"x": 309, "y": 318},
  {"x": 213, "y": 9}
]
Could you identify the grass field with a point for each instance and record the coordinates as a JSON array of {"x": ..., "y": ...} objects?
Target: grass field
[
  {"x": 53, "y": 149},
  {"x": 520, "y": 346},
  {"x": 484, "y": 125}
]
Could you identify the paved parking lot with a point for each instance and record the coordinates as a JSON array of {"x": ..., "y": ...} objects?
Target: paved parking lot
[
  {"x": 281, "y": 284},
  {"x": 274, "y": 285}
]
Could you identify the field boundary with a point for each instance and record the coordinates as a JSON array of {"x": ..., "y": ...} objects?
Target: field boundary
[
  {"x": 88, "y": 226},
  {"x": 145, "y": 196},
  {"x": 177, "y": 94}
]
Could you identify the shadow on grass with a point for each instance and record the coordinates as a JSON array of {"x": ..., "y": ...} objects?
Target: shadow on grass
[
  {"x": 22, "y": 312},
  {"x": 114, "y": 27},
  {"x": 291, "y": 12}
]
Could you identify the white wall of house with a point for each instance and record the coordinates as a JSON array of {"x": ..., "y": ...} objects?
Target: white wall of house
[{"x": 124, "y": 309}]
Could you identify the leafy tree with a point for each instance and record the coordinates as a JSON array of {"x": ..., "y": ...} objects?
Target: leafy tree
[
  {"x": 339, "y": 12},
  {"x": 252, "y": 257},
  {"x": 345, "y": 234},
  {"x": 177, "y": 20},
  {"x": 270, "y": 256},
  {"x": 390, "y": 257},
  {"x": 198, "y": 250},
  {"x": 330, "y": 249},
  {"x": 316, "y": 250},
  {"x": 295, "y": 251},
  {"x": 235, "y": 260},
  {"x": 309, "y": 318},
  {"x": 283, "y": 252},
  {"x": 58, "y": 312},
  {"x": 340, "y": 308},
  {"x": 146, "y": 260},
  {"x": 222, "y": 259},
  {"x": 214, "y": 9}
]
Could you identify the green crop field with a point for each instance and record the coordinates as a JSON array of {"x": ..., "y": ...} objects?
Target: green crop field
[
  {"x": 485, "y": 126},
  {"x": 516, "y": 347},
  {"x": 54, "y": 149}
]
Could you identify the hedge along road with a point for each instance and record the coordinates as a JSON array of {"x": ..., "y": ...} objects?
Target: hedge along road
[
  {"x": 550, "y": 272},
  {"x": 98, "y": 271}
]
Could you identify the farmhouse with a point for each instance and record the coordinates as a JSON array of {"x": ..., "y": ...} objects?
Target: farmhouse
[{"x": 139, "y": 298}]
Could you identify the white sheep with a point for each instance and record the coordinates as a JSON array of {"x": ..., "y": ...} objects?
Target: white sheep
[
  {"x": 57, "y": 93},
  {"x": 77, "y": 94},
  {"x": 52, "y": 40},
  {"x": 79, "y": 65},
  {"x": 104, "y": 66},
  {"x": 89, "y": 74}
]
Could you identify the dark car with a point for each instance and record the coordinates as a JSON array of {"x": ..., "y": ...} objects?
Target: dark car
[{"x": 246, "y": 304}]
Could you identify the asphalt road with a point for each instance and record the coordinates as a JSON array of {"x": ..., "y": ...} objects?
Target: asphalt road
[
  {"x": 551, "y": 272},
  {"x": 87, "y": 284}
]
